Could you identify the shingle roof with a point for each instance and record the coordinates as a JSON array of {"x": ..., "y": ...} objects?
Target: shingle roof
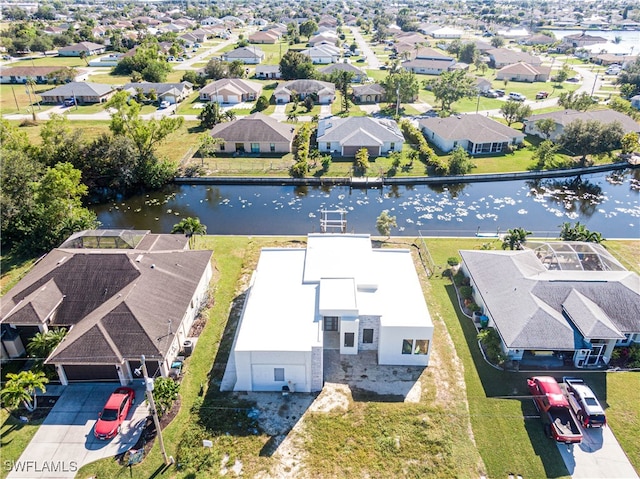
[
  {"x": 79, "y": 89},
  {"x": 119, "y": 302},
  {"x": 526, "y": 301},
  {"x": 28, "y": 71},
  {"x": 86, "y": 46},
  {"x": 306, "y": 87},
  {"x": 245, "y": 52},
  {"x": 254, "y": 128},
  {"x": 232, "y": 84},
  {"x": 369, "y": 89},
  {"x": 160, "y": 88},
  {"x": 364, "y": 128},
  {"x": 525, "y": 68},
  {"x": 329, "y": 69},
  {"x": 473, "y": 127},
  {"x": 564, "y": 117},
  {"x": 504, "y": 55}
]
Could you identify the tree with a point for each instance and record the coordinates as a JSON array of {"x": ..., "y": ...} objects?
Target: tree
[
  {"x": 563, "y": 74},
  {"x": 624, "y": 106},
  {"x": 497, "y": 41},
  {"x": 514, "y": 111},
  {"x": 42, "y": 43},
  {"x": 629, "y": 79},
  {"x": 262, "y": 103},
  {"x": 546, "y": 126},
  {"x": 452, "y": 86},
  {"x": 545, "y": 156},
  {"x": 515, "y": 239},
  {"x": 591, "y": 137},
  {"x": 237, "y": 69},
  {"x": 468, "y": 53},
  {"x": 147, "y": 61},
  {"x": 165, "y": 392},
  {"x": 295, "y": 65},
  {"x": 579, "y": 232},
  {"x": 573, "y": 101},
  {"x": 308, "y": 28},
  {"x": 401, "y": 86},
  {"x": 22, "y": 387},
  {"x": 211, "y": 115},
  {"x": 42, "y": 344},
  {"x": 361, "y": 163},
  {"x": 385, "y": 222},
  {"x": 216, "y": 69},
  {"x": 460, "y": 162},
  {"x": 190, "y": 226},
  {"x": 342, "y": 80},
  {"x": 630, "y": 142}
]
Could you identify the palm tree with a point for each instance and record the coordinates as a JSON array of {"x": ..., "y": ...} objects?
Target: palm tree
[
  {"x": 515, "y": 238},
  {"x": 579, "y": 232},
  {"x": 42, "y": 344},
  {"x": 189, "y": 226},
  {"x": 22, "y": 387}
]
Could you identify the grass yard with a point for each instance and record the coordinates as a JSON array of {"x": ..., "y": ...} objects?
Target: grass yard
[
  {"x": 15, "y": 99},
  {"x": 15, "y": 438}
]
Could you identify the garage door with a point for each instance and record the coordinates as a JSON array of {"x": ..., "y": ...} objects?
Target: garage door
[
  {"x": 374, "y": 151},
  {"x": 91, "y": 372},
  {"x": 233, "y": 99}
]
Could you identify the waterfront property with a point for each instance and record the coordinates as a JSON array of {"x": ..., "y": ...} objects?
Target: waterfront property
[
  {"x": 569, "y": 299},
  {"x": 337, "y": 293},
  {"x": 120, "y": 294},
  {"x": 477, "y": 134},
  {"x": 345, "y": 136},
  {"x": 255, "y": 134},
  {"x": 564, "y": 117}
]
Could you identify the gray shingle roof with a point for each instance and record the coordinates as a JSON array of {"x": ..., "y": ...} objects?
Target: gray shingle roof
[
  {"x": 564, "y": 117},
  {"x": 369, "y": 89},
  {"x": 160, "y": 88},
  {"x": 254, "y": 128},
  {"x": 79, "y": 89},
  {"x": 365, "y": 128},
  {"x": 526, "y": 301},
  {"x": 329, "y": 69},
  {"x": 306, "y": 86},
  {"x": 472, "y": 127}
]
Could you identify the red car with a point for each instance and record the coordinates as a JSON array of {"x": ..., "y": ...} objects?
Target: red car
[{"x": 114, "y": 413}]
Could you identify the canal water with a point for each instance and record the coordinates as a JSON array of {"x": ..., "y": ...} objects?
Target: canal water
[{"x": 604, "y": 202}]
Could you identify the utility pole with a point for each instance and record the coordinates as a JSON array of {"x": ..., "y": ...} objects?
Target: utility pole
[{"x": 148, "y": 386}]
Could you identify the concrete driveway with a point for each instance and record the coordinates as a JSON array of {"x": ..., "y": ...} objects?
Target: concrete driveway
[
  {"x": 65, "y": 441},
  {"x": 599, "y": 456}
]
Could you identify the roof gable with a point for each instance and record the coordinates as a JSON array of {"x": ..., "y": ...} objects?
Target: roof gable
[{"x": 589, "y": 318}]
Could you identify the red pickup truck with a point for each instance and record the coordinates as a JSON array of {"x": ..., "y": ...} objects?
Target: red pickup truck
[{"x": 554, "y": 409}]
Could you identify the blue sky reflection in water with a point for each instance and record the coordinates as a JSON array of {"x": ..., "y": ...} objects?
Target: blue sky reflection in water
[{"x": 605, "y": 203}]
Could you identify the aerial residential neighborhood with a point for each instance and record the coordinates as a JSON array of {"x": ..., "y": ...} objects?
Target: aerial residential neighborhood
[{"x": 320, "y": 239}]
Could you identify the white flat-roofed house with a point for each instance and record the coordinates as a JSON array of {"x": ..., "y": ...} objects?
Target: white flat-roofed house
[{"x": 336, "y": 292}]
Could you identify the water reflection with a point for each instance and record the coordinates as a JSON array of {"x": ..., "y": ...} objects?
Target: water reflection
[{"x": 449, "y": 210}]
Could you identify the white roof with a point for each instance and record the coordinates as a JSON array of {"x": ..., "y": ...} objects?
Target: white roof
[{"x": 336, "y": 275}]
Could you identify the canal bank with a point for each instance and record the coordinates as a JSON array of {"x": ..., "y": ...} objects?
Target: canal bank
[{"x": 377, "y": 182}]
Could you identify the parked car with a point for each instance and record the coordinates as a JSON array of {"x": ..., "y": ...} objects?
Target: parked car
[
  {"x": 517, "y": 96},
  {"x": 584, "y": 403},
  {"x": 69, "y": 102},
  {"x": 360, "y": 60},
  {"x": 164, "y": 104},
  {"x": 171, "y": 59},
  {"x": 541, "y": 95},
  {"x": 555, "y": 413},
  {"x": 114, "y": 413},
  {"x": 6, "y": 57},
  {"x": 180, "y": 59},
  {"x": 491, "y": 94},
  {"x": 500, "y": 92},
  {"x": 575, "y": 79}
]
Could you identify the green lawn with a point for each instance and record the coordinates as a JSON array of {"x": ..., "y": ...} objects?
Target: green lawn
[{"x": 15, "y": 438}]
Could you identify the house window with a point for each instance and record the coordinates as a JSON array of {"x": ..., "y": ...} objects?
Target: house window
[
  {"x": 255, "y": 147},
  {"x": 393, "y": 146},
  {"x": 415, "y": 346},
  {"x": 221, "y": 146},
  {"x": 328, "y": 146},
  {"x": 278, "y": 374},
  {"x": 272, "y": 147},
  {"x": 349, "y": 339},
  {"x": 330, "y": 323},
  {"x": 367, "y": 336}
]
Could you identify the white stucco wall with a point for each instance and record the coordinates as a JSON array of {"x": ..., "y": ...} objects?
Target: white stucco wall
[
  {"x": 390, "y": 345},
  {"x": 255, "y": 370},
  {"x": 349, "y": 325}
]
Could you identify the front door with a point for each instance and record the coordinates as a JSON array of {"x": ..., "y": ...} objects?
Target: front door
[
  {"x": 331, "y": 323},
  {"x": 595, "y": 355},
  {"x": 240, "y": 147}
]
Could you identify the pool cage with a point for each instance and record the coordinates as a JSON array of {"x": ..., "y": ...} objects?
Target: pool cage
[{"x": 574, "y": 256}]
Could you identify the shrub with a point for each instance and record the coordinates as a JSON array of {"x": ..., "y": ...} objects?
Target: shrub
[
  {"x": 474, "y": 308},
  {"x": 466, "y": 292},
  {"x": 453, "y": 261},
  {"x": 165, "y": 391},
  {"x": 491, "y": 344},
  {"x": 458, "y": 278},
  {"x": 262, "y": 103}
]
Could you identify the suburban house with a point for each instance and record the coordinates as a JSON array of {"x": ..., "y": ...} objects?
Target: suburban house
[
  {"x": 564, "y": 117},
  {"x": 446, "y": 32},
  {"x": 120, "y": 294},
  {"x": 171, "y": 92},
  {"x": 368, "y": 93},
  {"x": 482, "y": 85},
  {"x": 477, "y": 134},
  {"x": 268, "y": 36},
  {"x": 325, "y": 91},
  {"x": 501, "y": 57},
  {"x": 257, "y": 133},
  {"x": 537, "y": 39},
  {"x": 230, "y": 90},
  {"x": 110, "y": 60},
  {"x": 21, "y": 74},
  {"x": 358, "y": 75},
  {"x": 322, "y": 54},
  {"x": 248, "y": 55},
  {"x": 83, "y": 92},
  {"x": 524, "y": 72},
  {"x": 428, "y": 61},
  {"x": 328, "y": 37},
  {"x": 345, "y": 136},
  {"x": 337, "y": 293},
  {"x": 581, "y": 40},
  {"x": 86, "y": 48},
  {"x": 571, "y": 299},
  {"x": 268, "y": 72}
]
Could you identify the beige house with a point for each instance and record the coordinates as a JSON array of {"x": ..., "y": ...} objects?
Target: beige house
[
  {"x": 524, "y": 72},
  {"x": 231, "y": 91},
  {"x": 254, "y": 134}
]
